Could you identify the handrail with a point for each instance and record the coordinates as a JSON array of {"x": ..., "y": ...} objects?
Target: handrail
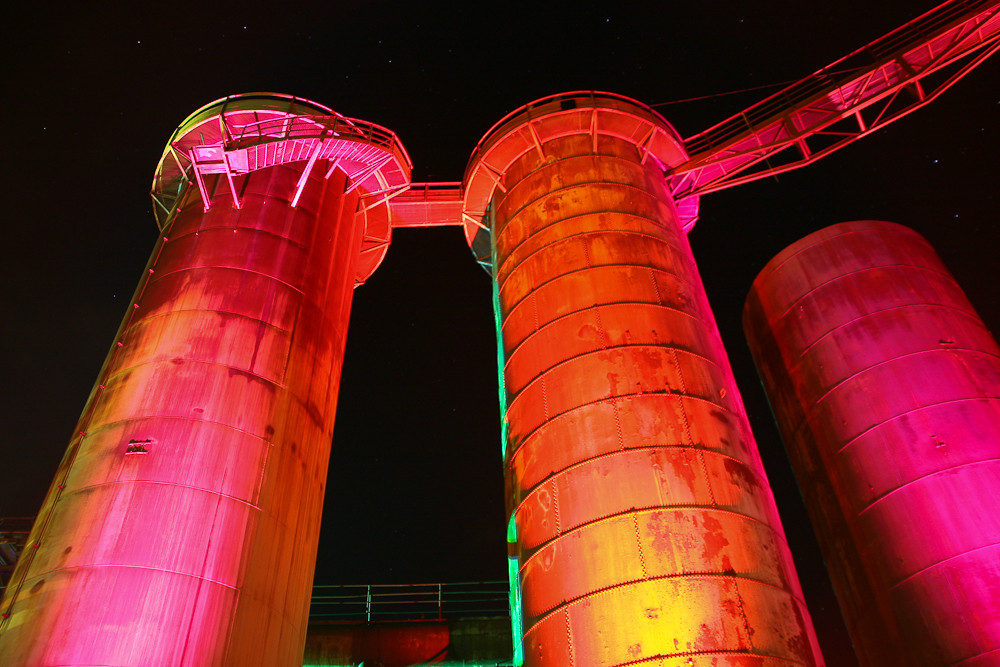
[
  {"x": 838, "y": 73},
  {"x": 849, "y": 99},
  {"x": 562, "y": 102},
  {"x": 398, "y": 602},
  {"x": 312, "y": 127}
]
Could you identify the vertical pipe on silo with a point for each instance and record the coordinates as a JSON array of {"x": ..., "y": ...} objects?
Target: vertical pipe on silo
[
  {"x": 886, "y": 387},
  {"x": 183, "y": 525},
  {"x": 645, "y": 525}
]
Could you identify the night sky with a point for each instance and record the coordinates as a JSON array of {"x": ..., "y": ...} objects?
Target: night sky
[{"x": 91, "y": 95}]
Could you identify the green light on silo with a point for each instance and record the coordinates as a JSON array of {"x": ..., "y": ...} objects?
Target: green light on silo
[
  {"x": 501, "y": 360},
  {"x": 512, "y": 531},
  {"x": 514, "y": 581}
]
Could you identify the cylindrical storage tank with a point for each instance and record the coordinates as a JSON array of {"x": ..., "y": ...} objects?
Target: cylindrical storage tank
[
  {"x": 885, "y": 385},
  {"x": 645, "y": 527},
  {"x": 182, "y": 526}
]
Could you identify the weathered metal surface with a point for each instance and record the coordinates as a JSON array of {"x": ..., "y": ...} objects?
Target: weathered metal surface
[
  {"x": 464, "y": 642},
  {"x": 209, "y": 427},
  {"x": 886, "y": 386},
  {"x": 241, "y": 134},
  {"x": 646, "y": 528}
]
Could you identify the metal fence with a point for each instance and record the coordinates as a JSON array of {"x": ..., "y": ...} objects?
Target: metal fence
[
  {"x": 13, "y": 536},
  {"x": 384, "y": 602},
  {"x": 347, "y": 602}
]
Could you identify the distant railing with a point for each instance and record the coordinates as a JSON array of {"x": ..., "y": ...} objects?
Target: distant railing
[
  {"x": 349, "y": 602},
  {"x": 406, "y": 602},
  {"x": 13, "y": 536}
]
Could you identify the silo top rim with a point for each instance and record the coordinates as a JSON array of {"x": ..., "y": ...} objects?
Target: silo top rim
[
  {"x": 252, "y": 101},
  {"x": 825, "y": 234},
  {"x": 577, "y": 99},
  {"x": 591, "y": 113}
]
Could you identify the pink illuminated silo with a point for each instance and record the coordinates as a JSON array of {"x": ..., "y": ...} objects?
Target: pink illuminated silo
[
  {"x": 886, "y": 386},
  {"x": 643, "y": 522},
  {"x": 182, "y": 526}
]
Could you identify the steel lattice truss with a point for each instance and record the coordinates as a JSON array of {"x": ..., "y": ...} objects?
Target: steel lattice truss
[
  {"x": 842, "y": 102},
  {"x": 845, "y": 101}
]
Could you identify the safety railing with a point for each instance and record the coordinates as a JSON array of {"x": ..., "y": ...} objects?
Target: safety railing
[
  {"x": 405, "y": 602},
  {"x": 582, "y": 99},
  {"x": 313, "y": 127},
  {"x": 884, "y": 49}
]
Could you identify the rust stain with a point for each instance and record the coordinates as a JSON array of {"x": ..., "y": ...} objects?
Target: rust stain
[
  {"x": 588, "y": 332},
  {"x": 714, "y": 540},
  {"x": 613, "y": 383},
  {"x": 659, "y": 526},
  {"x": 250, "y": 377},
  {"x": 744, "y": 477},
  {"x": 544, "y": 499},
  {"x": 683, "y": 470},
  {"x": 707, "y": 640},
  {"x": 548, "y": 558}
]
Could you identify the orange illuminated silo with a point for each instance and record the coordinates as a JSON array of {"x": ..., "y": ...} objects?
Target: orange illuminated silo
[
  {"x": 182, "y": 526},
  {"x": 886, "y": 386},
  {"x": 645, "y": 528}
]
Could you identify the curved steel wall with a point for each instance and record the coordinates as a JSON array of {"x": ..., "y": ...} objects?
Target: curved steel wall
[
  {"x": 182, "y": 527},
  {"x": 885, "y": 385},
  {"x": 646, "y": 529}
]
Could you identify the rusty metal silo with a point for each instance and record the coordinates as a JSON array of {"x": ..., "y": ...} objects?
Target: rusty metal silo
[
  {"x": 886, "y": 386},
  {"x": 644, "y": 525},
  {"x": 182, "y": 526}
]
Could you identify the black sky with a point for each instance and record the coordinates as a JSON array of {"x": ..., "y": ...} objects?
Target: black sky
[{"x": 91, "y": 95}]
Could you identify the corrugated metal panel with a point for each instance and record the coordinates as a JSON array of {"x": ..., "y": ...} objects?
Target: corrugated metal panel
[
  {"x": 210, "y": 427},
  {"x": 645, "y": 526},
  {"x": 886, "y": 386}
]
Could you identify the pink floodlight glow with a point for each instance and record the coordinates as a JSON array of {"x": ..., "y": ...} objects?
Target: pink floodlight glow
[
  {"x": 645, "y": 526},
  {"x": 886, "y": 386},
  {"x": 641, "y": 524},
  {"x": 210, "y": 423}
]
